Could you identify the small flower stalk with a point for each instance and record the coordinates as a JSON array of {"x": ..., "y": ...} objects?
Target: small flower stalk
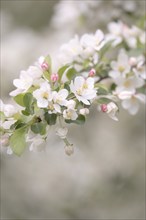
[{"x": 87, "y": 77}]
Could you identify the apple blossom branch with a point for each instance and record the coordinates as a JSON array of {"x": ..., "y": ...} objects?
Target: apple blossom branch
[{"x": 86, "y": 76}]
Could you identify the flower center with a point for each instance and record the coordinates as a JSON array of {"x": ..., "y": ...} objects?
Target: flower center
[
  {"x": 121, "y": 69},
  {"x": 69, "y": 114},
  {"x": 45, "y": 95},
  {"x": 85, "y": 86},
  {"x": 79, "y": 91},
  {"x": 127, "y": 84}
]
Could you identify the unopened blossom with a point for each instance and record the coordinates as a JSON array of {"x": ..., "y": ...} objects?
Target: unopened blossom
[
  {"x": 62, "y": 132},
  {"x": 9, "y": 151},
  {"x": 7, "y": 109},
  {"x": 131, "y": 101},
  {"x": 43, "y": 95},
  {"x": 42, "y": 64},
  {"x": 69, "y": 150},
  {"x": 54, "y": 77},
  {"x": 84, "y": 111},
  {"x": 4, "y": 140},
  {"x": 111, "y": 109},
  {"x": 104, "y": 108},
  {"x": 92, "y": 72},
  {"x": 83, "y": 89},
  {"x": 132, "y": 61}
]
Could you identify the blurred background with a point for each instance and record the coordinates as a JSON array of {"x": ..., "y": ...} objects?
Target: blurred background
[{"x": 105, "y": 178}]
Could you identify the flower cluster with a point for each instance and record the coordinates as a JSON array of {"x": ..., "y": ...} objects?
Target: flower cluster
[{"x": 87, "y": 76}]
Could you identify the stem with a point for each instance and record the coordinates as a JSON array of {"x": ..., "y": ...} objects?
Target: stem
[{"x": 66, "y": 142}]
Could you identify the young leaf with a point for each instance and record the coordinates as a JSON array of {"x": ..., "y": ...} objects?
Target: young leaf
[
  {"x": 80, "y": 120},
  {"x": 61, "y": 71},
  {"x": 19, "y": 99},
  {"x": 28, "y": 101},
  {"x": 17, "y": 141},
  {"x": 71, "y": 73},
  {"x": 104, "y": 100},
  {"x": 105, "y": 48},
  {"x": 49, "y": 62},
  {"x": 50, "y": 118},
  {"x": 47, "y": 75},
  {"x": 39, "y": 128}
]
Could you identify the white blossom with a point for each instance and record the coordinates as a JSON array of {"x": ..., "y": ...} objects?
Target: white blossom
[
  {"x": 70, "y": 114},
  {"x": 43, "y": 95},
  {"x": 131, "y": 101},
  {"x": 7, "y": 109},
  {"x": 92, "y": 41},
  {"x": 120, "y": 67},
  {"x": 129, "y": 83},
  {"x": 83, "y": 89},
  {"x": 70, "y": 51},
  {"x": 112, "y": 110},
  {"x": 37, "y": 142}
]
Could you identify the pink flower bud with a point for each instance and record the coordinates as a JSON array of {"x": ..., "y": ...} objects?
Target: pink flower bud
[
  {"x": 132, "y": 61},
  {"x": 92, "y": 72},
  {"x": 54, "y": 77},
  {"x": 104, "y": 108},
  {"x": 44, "y": 66}
]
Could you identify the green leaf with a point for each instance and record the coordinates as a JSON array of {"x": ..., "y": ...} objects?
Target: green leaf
[
  {"x": 102, "y": 91},
  {"x": 105, "y": 48},
  {"x": 104, "y": 101},
  {"x": 49, "y": 62},
  {"x": 50, "y": 118},
  {"x": 2, "y": 116},
  {"x": 18, "y": 124},
  {"x": 47, "y": 75},
  {"x": 71, "y": 72},
  {"x": 66, "y": 86},
  {"x": 17, "y": 141},
  {"x": 80, "y": 120},
  {"x": 28, "y": 101},
  {"x": 19, "y": 99},
  {"x": 39, "y": 128},
  {"x": 61, "y": 71}
]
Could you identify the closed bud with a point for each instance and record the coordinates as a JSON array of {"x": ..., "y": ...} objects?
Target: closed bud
[
  {"x": 104, "y": 108},
  {"x": 132, "y": 61},
  {"x": 84, "y": 111},
  {"x": 44, "y": 66},
  {"x": 4, "y": 141},
  {"x": 54, "y": 77},
  {"x": 92, "y": 72},
  {"x": 69, "y": 150}
]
